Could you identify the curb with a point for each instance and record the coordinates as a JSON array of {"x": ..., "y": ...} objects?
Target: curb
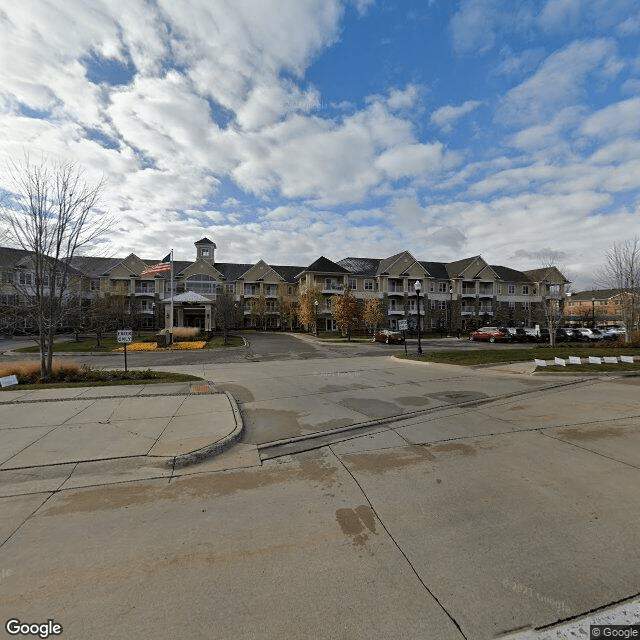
[{"x": 199, "y": 455}]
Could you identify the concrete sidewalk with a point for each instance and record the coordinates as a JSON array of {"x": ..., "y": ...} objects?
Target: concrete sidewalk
[{"x": 132, "y": 431}]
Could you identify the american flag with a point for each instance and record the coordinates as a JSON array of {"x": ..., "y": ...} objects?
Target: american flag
[{"x": 161, "y": 267}]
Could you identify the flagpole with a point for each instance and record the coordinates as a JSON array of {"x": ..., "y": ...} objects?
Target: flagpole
[{"x": 171, "y": 285}]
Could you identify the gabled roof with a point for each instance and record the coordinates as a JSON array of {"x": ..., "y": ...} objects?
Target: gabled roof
[
  {"x": 549, "y": 274},
  {"x": 190, "y": 296},
  {"x": 477, "y": 265},
  {"x": 324, "y": 265},
  {"x": 287, "y": 273},
  {"x": 437, "y": 270},
  {"x": 361, "y": 266},
  {"x": 509, "y": 275},
  {"x": 9, "y": 257},
  {"x": 94, "y": 267},
  {"x": 597, "y": 294},
  {"x": 205, "y": 241}
]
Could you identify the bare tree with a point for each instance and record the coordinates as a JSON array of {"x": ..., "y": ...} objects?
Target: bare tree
[
  {"x": 226, "y": 313},
  {"x": 551, "y": 285},
  {"x": 49, "y": 214},
  {"x": 621, "y": 272}
]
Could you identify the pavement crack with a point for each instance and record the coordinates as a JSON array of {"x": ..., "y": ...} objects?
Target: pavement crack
[
  {"x": 396, "y": 544},
  {"x": 33, "y": 513},
  {"x": 578, "y": 446}
]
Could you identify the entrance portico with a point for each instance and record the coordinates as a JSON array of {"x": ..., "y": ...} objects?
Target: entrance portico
[{"x": 190, "y": 310}]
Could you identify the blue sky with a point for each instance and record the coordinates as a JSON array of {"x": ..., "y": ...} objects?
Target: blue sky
[{"x": 287, "y": 129}]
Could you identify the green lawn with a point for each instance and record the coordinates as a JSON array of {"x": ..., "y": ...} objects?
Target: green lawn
[
  {"x": 89, "y": 345},
  {"x": 100, "y": 378},
  {"x": 471, "y": 357}
]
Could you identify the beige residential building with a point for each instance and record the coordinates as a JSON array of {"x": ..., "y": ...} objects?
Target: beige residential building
[{"x": 454, "y": 296}]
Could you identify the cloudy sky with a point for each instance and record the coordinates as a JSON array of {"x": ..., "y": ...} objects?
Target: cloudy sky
[{"x": 287, "y": 129}]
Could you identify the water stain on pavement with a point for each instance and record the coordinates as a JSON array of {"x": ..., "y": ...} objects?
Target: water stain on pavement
[
  {"x": 379, "y": 462},
  {"x": 241, "y": 394},
  {"x": 596, "y": 433},
  {"x": 353, "y": 523},
  {"x": 266, "y": 425},
  {"x": 453, "y": 447},
  {"x": 371, "y": 407},
  {"x": 310, "y": 468},
  {"x": 414, "y": 401},
  {"x": 456, "y": 397}
]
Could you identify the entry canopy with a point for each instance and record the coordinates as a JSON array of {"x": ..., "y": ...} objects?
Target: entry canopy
[{"x": 190, "y": 296}]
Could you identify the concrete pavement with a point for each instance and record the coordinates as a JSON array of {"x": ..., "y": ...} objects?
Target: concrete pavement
[
  {"x": 491, "y": 503},
  {"x": 54, "y": 438}
]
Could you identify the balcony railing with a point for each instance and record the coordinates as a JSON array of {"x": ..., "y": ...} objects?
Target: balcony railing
[
  {"x": 332, "y": 287},
  {"x": 396, "y": 289},
  {"x": 395, "y": 310}
]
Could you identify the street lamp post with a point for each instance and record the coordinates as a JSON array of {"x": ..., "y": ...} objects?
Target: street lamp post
[
  {"x": 450, "y": 310},
  {"x": 417, "y": 286},
  {"x": 316, "y": 308},
  {"x": 593, "y": 313}
]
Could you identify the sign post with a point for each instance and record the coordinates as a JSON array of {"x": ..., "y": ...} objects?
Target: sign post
[
  {"x": 403, "y": 325},
  {"x": 125, "y": 337}
]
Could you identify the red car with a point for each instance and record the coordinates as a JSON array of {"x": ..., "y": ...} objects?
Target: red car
[
  {"x": 491, "y": 334},
  {"x": 388, "y": 337}
]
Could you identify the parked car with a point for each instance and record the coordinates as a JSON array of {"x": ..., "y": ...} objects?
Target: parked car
[
  {"x": 518, "y": 334},
  {"x": 388, "y": 337},
  {"x": 532, "y": 334},
  {"x": 564, "y": 335},
  {"x": 589, "y": 335},
  {"x": 611, "y": 333},
  {"x": 491, "y": 334}
]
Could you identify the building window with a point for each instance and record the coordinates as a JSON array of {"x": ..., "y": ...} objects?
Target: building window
[
  {"x": 368, "y": 285},
  {"x": 25, "y": 278},
  {"x": 511, "y": 289},
  {"x": 442, "y": 287},
  {"x": 250, "y": 289},
  {"x": 442, "y": 305},
  {"x": 525, "y": 290},
  {"x": 353, "y": 284},
  {"x": 512, "y": 304}
]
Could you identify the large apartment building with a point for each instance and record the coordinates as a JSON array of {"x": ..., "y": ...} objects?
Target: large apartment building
[{"x": 457, "y": 295}]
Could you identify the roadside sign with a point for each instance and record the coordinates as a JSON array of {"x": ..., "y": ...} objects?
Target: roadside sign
[
  {"x": 403, "y": 325},
  {"x": 124, "y": 336},
  {"x": 7, "y": 381}
]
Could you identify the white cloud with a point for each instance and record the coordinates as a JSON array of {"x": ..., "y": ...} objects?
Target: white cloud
[
  {"x": 559, "y": 81},
  {"x": 473, "y": 26},
  {"x": 445, "y": 117},
  {"x": 616, "y": 120}
]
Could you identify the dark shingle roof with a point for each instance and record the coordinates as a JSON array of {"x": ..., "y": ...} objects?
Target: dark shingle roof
[
  {"x": 94, "y": 267},
  {"x": 598, "y": 294},
  {"x": 454, "y": 269},
  {"x": 9, "y": 257},
  {"x": 324, "y": 265},
  {"x": 436, "y": 269},
  {"x": 509, "y": 275},
  {"x": 288, "y": 273},
  {"x": 361, "y": 266}
]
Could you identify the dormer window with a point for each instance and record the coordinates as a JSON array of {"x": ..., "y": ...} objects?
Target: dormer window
[{"x": 205, "y": 253}]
